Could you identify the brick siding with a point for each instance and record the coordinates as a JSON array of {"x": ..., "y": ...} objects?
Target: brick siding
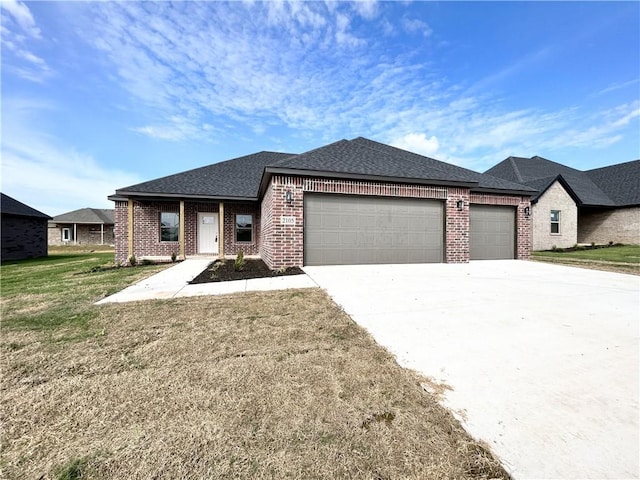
[
  {"x": 120, "y": 231},
  {"x": 620, "y": 225},
  {"x": 231, "y": 247},
  {"x": 87, "y": 234},
  {"x": 281, "y": 244},
  {"x": 555, "y": 198},
  {"x": 457, "y": 247},
  {"x": 23, "y": 237},
  {"x": 146, "y": 239}
]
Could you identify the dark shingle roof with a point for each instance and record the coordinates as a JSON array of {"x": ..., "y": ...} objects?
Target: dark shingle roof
[
  {"x": 240, "y": 178},
  {"x": 11, "y": 206},
  {"x": 86, "y": 215},
  {"x": 608, "y": 187},
  {"x": 237, "y": 178},
  {"x": 620, "y": 182},
  {"x": 368, "y": 158}
]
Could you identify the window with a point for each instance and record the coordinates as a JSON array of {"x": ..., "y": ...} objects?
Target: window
[
  {"x": 169, "y": 226},
  {"x": 244, "y": 228},
  {"x": 555, "y": 221},
  {"x": 66, "y": 234}
]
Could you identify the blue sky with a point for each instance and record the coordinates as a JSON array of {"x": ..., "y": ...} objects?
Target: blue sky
[{"x": 99, "y": 95}]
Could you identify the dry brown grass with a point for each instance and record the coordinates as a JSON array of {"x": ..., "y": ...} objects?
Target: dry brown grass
[
  {"x": 261, "y": 385},
  {"x": 618, "y": 267}
]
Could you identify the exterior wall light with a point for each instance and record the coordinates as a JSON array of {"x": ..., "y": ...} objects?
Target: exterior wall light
[
  {"x": 527, "y": 212},
  {"x": 460, "y": 204},
  {"x": 288, "y": 197}
]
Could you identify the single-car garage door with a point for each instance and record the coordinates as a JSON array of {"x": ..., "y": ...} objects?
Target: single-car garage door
[
  {"x": 492, "y": 232},
  {"x": 350, "y": 229}
]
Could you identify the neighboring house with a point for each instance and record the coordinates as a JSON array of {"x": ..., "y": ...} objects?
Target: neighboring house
[
  {"x": 573, "y": 206},
  {"x": 350, "y": 202},
  {"x": 87, "y": 226},
  {"x": 24, "y": 230}
]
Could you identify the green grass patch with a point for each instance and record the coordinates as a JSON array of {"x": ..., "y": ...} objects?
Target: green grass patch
[
  {"x": 618, "y": 254},
  {"x": 58, "y": 292}
]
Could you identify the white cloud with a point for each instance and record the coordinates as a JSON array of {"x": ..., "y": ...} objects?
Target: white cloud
[
  {"x": 302, "y": 65},
  {"x": 366, "y": 8},
  {"x": 414, "y": 25},
  {"x": 22, "y": 15},
  {"x": 618, "y": 86},
  {"x": 49, "y": 176},
  {"x": 418, "y": 143},
  {"x": 18, "y": 59}
]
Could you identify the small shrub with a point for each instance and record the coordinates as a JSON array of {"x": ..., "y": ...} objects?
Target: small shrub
[
  {"x": 174, "y": 255},
  {"x": 593, "y": 244},
  {"x": 238, "y": 265},
  {"x": 554, "y": 248},
  {"x": 147, "y": 261},
  {"x": 133, "y": 261},
  {"x": 214, "y": 269},
  {"x": 610, "y": 243}
]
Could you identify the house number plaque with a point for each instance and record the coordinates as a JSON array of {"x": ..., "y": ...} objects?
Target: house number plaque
[{"x": 287, "y": 220}]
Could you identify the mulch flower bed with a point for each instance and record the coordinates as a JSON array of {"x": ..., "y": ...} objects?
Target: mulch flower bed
[{"x": 224, "y": 270}]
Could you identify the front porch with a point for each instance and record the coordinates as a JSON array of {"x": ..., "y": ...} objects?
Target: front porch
[{"x": 160, "y": 229}]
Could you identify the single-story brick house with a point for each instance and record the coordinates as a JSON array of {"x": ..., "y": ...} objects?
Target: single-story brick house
[
  {"x": 24, "y": 230},
  {"x": 86, "y": 226},
  {"x": 350, "y": 202},
  {"x": 573, "y": 206}
]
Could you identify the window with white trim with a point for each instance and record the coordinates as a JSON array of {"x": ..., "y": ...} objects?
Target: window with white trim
[
  {"x": 555, "y": 221},
  {"x": 169, "y": 226},
  {"x": 66, "y": 234}
]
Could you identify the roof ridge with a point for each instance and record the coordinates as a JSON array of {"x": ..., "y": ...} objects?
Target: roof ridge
[
  {"x": 516, "y": 170},
  {"x": 282, "y": 160}
]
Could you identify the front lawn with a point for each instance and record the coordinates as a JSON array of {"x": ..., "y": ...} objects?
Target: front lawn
[
  {"x": 618, "y": 258},
  {"x": 56, "y": 292},
  {"x": 257, "y": 385}
]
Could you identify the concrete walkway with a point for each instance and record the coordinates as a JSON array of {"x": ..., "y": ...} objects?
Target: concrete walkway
[
  {"x": 542, "y": 360},
  {"x": 173, "y": 283}
]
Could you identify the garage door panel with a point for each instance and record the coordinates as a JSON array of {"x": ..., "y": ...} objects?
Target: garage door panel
[
  {"x": 492, "y": 232},
  {"x": 365, "y": 230}
]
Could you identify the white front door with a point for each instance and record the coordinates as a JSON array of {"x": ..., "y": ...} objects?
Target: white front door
[{"x": 207, "y": 232}]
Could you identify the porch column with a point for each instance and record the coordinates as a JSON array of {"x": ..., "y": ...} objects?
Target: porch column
[
  {"x": 102, "y": 234},
  {"x": 75, "y": 234},
  {"x": 221, "y": 230},
  {"x": 130, "y": 229},
  {"x": 181, "y": 230}
]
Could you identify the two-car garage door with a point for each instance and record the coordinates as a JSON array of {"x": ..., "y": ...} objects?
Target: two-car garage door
[{"x": 351, "y": 229}]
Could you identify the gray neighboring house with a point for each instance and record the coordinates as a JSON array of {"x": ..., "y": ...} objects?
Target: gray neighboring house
[
  {"x": 573, "y": 206},
  {"x": 24, "y": 230},
  {"x": 86, "y": 226}
]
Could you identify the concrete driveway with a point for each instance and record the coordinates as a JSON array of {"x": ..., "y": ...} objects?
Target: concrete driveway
[{"x": 542, "y": 360}]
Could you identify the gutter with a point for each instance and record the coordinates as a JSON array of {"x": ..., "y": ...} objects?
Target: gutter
[{"x": 124, "y": 195}]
